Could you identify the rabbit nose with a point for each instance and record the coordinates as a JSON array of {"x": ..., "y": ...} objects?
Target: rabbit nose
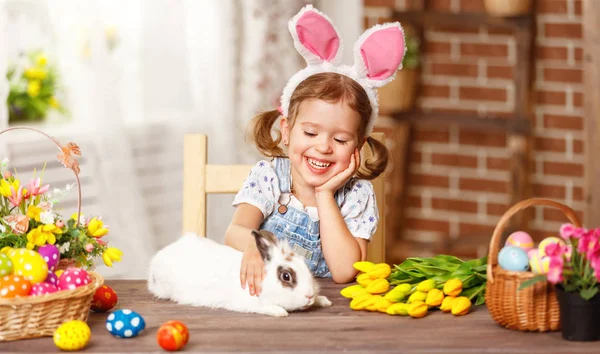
[{"x": 309, "y": 296}]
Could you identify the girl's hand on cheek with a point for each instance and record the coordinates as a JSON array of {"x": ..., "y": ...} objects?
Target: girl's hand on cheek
[{"x": 338, "y": 180}]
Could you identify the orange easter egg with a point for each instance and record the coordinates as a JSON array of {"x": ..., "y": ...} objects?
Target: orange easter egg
[
  {"x": 172, "y": 335},
  {"x": 14, "y": 286},
  {"x": 104, "y": 299}
]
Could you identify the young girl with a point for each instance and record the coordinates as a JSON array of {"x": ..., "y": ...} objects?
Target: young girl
[{"x": 317, "y": 199}]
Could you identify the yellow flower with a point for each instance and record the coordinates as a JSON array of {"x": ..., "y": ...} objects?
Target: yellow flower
[
  {"x": 53, "y": 102},
  {"x": 41, "y": 235},
  {"x": 41, "y": 60},
  {"x": 35, "y": 74},
  {"x": 33, "y": 212},
  {"x": 33, "y": 88},
  {"x": 111, "y": 255},
  {"x": 96, "y": 228},
  {"x": 5, "y": 187}
]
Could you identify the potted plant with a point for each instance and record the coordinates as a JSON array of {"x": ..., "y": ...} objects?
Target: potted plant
[
  {"x": 574, "y": 268},
  {"x": 399, "y": 95},
  {"x": 34, "y": 88},
  {"x": 506, "y": 8}
]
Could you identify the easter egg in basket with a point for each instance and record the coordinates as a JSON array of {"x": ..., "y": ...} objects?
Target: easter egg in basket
[
  {"x": 72, "y": 335},
  {"x": 14, "y": 286},
  {"x": 125, "y": 323},
  {"x": 73, "y": 278},
  {"x": 538, "y": 264},
  {"x": 547, "y": 241},
  {"x": 513, "y": 258},
  {"x": 520, "y": 239},
  {"x": 43, "y": 289},
  {"x": 6, "y": 265},
  {"x": 172, "y": 335},
  {"x": 51, "y": 255},
  {"x": 29, "y": 264},
  {"x": 51, "y": 279},
  {"x": 104, "y": 299}
]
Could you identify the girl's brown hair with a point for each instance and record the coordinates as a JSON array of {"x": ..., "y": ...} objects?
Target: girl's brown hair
[{"x": 329, "y": 87}]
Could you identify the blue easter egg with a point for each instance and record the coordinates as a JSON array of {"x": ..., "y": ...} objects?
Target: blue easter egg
[
  {"x": 125, "y": 323},
  {"x": 513, "y": 258}
]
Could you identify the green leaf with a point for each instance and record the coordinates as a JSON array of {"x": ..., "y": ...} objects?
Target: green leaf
[
  {"x": 464, "y": 269},
  {"x": 480, "y": 299},
  {"x": 449, "y": 259},
  {"x": 532, "y": 281},
  {"x": 430, "y": 271},
  {"x": 588, "y": 293},
  {"x": 480, "y": 269}
]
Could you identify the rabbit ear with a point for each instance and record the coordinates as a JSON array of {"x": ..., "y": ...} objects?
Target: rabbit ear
[
  {"x": 264, "y": 241},
  {"x": 378, "y": 53},
  {"x": 315, "y": 37}
]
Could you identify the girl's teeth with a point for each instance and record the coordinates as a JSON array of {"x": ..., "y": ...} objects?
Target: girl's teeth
[{"x": 319, "y": 165}]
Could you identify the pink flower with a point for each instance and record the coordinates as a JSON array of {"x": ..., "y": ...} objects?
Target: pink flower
[
  {"x": 7, "y": 174},
  {"x": 17, "y": 196},
  {"x": 588, "y": 245},
  {"x": 567, "y": 230},
  {"x": 89, "y": 247},
  {"x": 555, "y": 270},
  {"x": 554, "y": 250},
  {"x": 34, "y": 189},
  {"x": 60, "y": 224}
]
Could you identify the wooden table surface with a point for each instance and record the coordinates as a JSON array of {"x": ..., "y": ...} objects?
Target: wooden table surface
[{"x": 334, "y": 329}]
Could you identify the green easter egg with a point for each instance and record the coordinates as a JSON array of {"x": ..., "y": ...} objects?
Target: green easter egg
[{"x": 6, "y": 265}]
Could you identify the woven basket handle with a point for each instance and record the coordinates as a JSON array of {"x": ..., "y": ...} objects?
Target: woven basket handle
[
  {"x": 65, "y": 157},
  {"x": 503, "y": 222}
]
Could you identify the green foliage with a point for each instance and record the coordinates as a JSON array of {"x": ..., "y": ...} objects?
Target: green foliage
[{"x": 412, "y": 58}]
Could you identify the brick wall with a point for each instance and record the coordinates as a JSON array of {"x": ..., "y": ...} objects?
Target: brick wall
[{"x": 458, "y": 179}]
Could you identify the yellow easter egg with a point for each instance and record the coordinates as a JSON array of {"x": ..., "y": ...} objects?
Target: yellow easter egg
[
  {"x": 72, "y": 335},
  {"x": 30, "y": 264},
  {"x": 538, "y": 264},
  {"x": 547, "y": 241}
]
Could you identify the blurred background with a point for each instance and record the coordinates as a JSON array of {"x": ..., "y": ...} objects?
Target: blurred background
[{"x": 489, "y": 109}]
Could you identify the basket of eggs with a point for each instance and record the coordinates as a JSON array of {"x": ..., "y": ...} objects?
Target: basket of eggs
[
  {"x": 45, "y": 261},
  {"x": 511, "y": 304}
]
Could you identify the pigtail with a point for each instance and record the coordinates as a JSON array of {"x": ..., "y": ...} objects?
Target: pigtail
[
  {"x": 377, "y": 163},
  {"x": 261, "y": 127}
]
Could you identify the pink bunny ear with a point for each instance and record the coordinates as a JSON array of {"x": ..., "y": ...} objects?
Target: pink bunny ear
[
  {"x": 315, "y": 37},
  {"x": 378, "y": 53}
]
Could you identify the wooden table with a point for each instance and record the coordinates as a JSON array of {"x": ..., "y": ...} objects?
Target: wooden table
[{"x": 334, "y": 329}]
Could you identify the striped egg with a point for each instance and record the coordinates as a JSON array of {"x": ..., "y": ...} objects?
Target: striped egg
[
  {"x": 538, "y": 264},
  {"x": 547, "y": 241},
  {"x": 520, "y": 239}
]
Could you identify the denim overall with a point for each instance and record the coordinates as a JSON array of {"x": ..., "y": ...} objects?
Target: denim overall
[{"x": 296, "y": 227}]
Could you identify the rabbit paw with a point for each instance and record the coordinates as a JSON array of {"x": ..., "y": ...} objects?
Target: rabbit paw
[
  {"x": 322, "y": 301},
  {"x": 273, "y": 310}
]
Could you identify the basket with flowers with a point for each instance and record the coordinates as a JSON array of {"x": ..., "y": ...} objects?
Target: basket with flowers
[{"x": 46, "y": 260}]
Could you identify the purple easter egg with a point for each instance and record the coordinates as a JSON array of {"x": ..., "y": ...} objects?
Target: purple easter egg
[
  {"x": 51, "y": 279},
  {"x": 42, "y": 289},
  {"x": 51, "y": 255}
]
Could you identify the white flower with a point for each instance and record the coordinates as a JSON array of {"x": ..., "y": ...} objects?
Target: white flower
[
  {"x": 4, "y": 162},
  {"x": 64, "y": 247},
  {"x": 2, "y": 228},
  {"x": 47, "y": 217}
]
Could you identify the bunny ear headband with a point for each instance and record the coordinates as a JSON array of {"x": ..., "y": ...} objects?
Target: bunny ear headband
[{"x": 378, "y": 54}]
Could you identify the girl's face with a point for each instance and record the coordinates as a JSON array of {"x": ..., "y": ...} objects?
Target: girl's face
[{"x": 322, "y": 140}]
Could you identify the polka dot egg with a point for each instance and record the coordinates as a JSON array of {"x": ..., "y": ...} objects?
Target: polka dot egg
[
  {"x": 51, "y": 255},
  {"x": 43, "y": 289},
  {"x": 52, "y": 279},
  {"x": 29, "y": 264},
  {"x": 125, "y": 323},
  {"x": 72, "y": 335},
  {"x": 104, "y": 299},
  {"x": 73, "y": 278},
  {"x": 14, "y": 286},
  {"x": 6, "y": 265}
]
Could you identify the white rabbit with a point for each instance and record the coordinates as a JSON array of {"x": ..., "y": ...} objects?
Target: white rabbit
[{"x": 198, "y": 271}]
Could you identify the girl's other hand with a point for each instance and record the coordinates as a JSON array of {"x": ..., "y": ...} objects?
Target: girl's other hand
[
  {"x": 337, "y": 181},
  {"x": 252, "y": 269}
]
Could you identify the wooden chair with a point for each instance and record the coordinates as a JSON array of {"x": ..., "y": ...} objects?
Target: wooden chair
[{"x": 200, "y": 179}]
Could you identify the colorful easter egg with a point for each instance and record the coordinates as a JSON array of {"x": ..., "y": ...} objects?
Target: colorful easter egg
[
  {"x": 104, "y": 299},
  {"x": 52, "y": 279},
  {"x": 547, "y": 241},
  {"x": 6, "y": 265},
  {"x": 513, "y": 258},
  {"x": 72, "y": 335},
  {"x": 73, "y": 278},
  {"x": 172, "y": 335},
  {"x": 520, "y": 239},
  {"x": 51, "y": 255},
  {"x": 539, "y": 265},
  {"x": 42, "y": 289},
  {"x": 125, "y": 323},
  {"x": 14, "y": 286},
  {"x": 29, "y": 264}
]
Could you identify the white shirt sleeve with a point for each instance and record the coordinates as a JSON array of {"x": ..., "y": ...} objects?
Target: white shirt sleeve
[
  {"x": 260, "y": 188},
  {"x": 359, "y": 209}
]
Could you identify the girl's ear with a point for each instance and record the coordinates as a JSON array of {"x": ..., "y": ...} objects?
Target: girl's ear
[{"x": 285, "y": 130}]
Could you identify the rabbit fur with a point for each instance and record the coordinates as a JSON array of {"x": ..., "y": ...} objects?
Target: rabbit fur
[{"x": 201, "y": 272}]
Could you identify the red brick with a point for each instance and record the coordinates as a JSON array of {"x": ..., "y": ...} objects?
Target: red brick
[
  {"x": 431, "y": 135},
  {"x": 470, "y": 137},
  {"x": 551, "y": 97},
  {"x": 578, "y": 146},
  {"x": 578, "y": 7},
  {"x": 498, "y": 163},
  {"x": 427, "y": 225},
  {"x": 454, "y": 160},
  {"x": 501, "y": 31},
  {"x": 416, "y": 157},
  {"x": 431, "y": 90},
  {"x": 432, "y": 47},
  {"x": 578, "y": 54},
  {"x": 552, "y": 53},
  {"x": 454, "y": 205},
  {"x": 472, "y": 6},
  {"x": 380, "y": 3},
  {"x": 563, "y": 169},
  {"x": 538, "y": 235},
  {"x": 482, "y": 93},
  {"x": 454, "y": 69},
  {"x": 563, "y": 30},
  {"x": 552, "y": 7},
  {"x": 549, "y": 191},
  {"x": 577, "y": 99},
  {"x": 484, "y": 50},
  {"x": 577, "y": 193},
  {"x": 414, "y": 201},
  {"x": 460, "y": 29},
  {"x": 496, "y": 208},
  {"x": 476, "y": 184},
  {"x": 563, "y": 122},
  {"x": 470, "y": 229},
  {"x": 440, "y": 5},
  {"x": 563, "y": 75},
  {"x": 557, "y": 215},
  {"x": 417, "y": 179},
  {"x": 448, "y": 110},
  {"x": 550, "y": 144},
  {"x": 499, "y": 72}
]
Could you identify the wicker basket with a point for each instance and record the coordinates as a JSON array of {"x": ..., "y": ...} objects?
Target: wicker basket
[
  {"x": 39, "y": 316},
  {"x": 534, "y": 308}
]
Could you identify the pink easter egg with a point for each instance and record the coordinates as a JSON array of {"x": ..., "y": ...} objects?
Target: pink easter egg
[
  {"x": 42, "y": 289},
  {"x": 520, "y": 239},
  {"x": 51, "y": 255},
  {"x": 73, "y": 278},
  {"x": 534, "y": 252},
  {"x": 51, "y": 279}
]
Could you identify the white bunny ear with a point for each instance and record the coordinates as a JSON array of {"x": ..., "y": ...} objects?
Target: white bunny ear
[
  {"x": 378, "y": 53},
  {"x": 315, "y": 36}
]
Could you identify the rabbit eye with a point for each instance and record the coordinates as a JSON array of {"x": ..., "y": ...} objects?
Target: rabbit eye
[{"x": 286, "y": 277}]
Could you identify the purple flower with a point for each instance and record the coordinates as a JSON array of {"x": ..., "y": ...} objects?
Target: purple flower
[
  {"x": 371, "y": 218},
  {"x": 252, "y": 184},
  {"x": 261, "y": 164}
]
